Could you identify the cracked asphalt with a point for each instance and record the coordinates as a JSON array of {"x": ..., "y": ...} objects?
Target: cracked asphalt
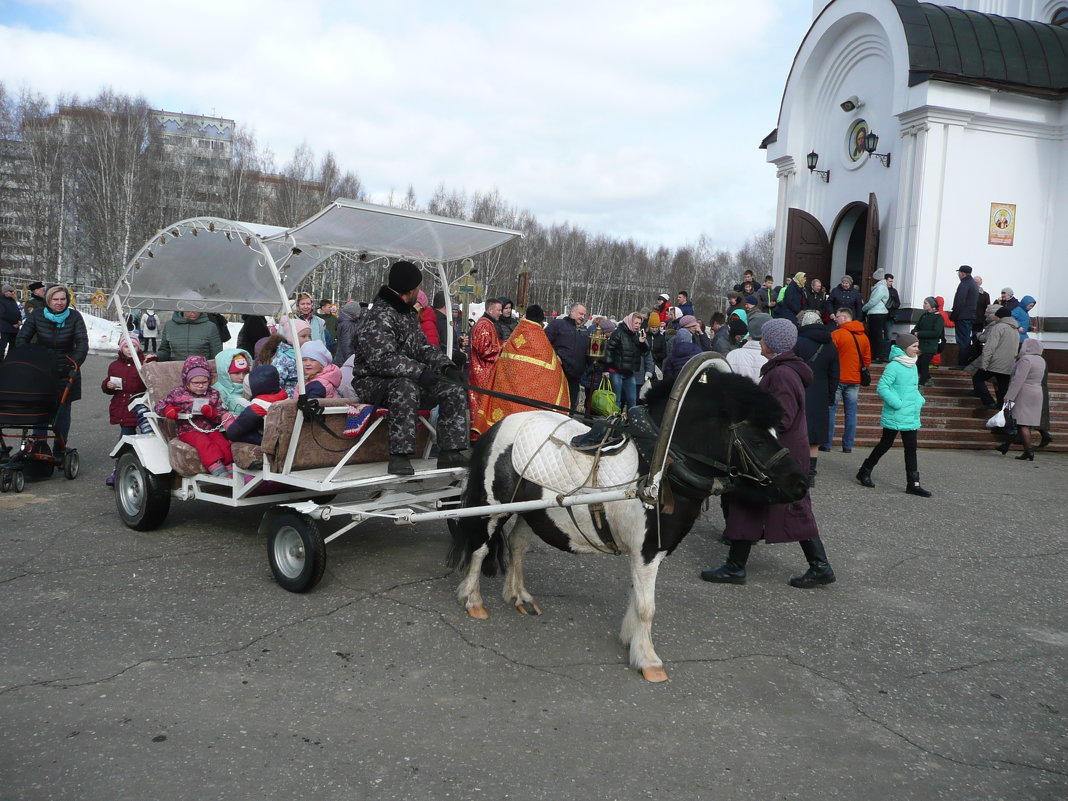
[{"x": 169, "y": 665}]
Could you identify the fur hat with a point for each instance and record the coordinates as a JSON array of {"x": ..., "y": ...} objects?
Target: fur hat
[
  {"x": 904, "y": 340},
  {"x": 404, "y": 277},
  {"x": 1002, "y": 313},
  {"x": 316, "y": 350},
  {"x": 35, "y": 286},
  {"x": 780, "y": 335},
  {"x": 535, "y": 313},
  {"x": 964, "y": 268}
]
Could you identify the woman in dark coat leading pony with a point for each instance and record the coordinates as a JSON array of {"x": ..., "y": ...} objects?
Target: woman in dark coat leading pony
[
  {"x": 62, "y": 330},
  {"x": 785, "y": 376},
  {"x": 723, "y": 420}
]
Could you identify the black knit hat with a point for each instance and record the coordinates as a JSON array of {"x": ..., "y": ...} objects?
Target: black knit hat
[
  {"x": 404, "y": 277},
  {"x": 535, "y": 313}
]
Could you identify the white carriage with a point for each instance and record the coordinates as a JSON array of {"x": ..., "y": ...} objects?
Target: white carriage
[{"x": 305, "y": 471}]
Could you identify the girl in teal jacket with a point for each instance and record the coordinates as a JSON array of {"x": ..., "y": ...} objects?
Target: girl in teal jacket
[
  {"x": 900, "y": 390},
  {"x": 231, "y": 367}
]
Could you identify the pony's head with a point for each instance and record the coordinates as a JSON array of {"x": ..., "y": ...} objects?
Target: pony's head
[{"x": 727, "y": 420}]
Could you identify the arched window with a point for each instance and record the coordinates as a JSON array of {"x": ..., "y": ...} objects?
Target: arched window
[{"x": 1060, "y": 17}]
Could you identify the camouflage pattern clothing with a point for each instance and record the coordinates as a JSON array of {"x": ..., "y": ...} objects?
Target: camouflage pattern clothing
[{"x": 391, "y": 354}]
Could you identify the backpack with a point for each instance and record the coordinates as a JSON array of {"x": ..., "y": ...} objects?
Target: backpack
[
  {"x": 782, "y": 293},
  {"x": 150, "y": 322}
]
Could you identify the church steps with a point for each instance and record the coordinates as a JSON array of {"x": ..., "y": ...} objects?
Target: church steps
[{"x": 951, "y": 417}]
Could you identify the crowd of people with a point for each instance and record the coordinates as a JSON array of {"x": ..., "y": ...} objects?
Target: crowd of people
[{"x": 392, "y": 353}]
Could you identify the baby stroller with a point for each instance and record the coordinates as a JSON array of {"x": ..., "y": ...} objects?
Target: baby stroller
[{"x": 32, "y": 389}]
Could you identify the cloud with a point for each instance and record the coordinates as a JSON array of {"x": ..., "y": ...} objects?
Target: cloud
[{"x": 635, "y": 119}]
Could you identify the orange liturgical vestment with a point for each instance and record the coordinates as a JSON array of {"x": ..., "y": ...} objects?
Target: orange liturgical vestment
[
  {"x": 528, "y": 366},
  {"x": 485, "y": 348}
]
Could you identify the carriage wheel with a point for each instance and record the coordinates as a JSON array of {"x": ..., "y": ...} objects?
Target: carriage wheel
[
  {"x": 296, "y": 552},
  {"x": 142, "y": 498},
  {"x": 18, "y": 481},
  {"x": 5, "y": 480},
  {"x": 71, "y": 464}
]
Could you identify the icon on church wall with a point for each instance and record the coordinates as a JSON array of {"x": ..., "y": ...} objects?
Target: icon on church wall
[
  {"x": 858, "y": 131},
  {"x": 1002, "y": 224}
]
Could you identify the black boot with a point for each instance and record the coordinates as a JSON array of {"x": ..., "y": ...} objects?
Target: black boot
[
  {"x": 448, "y": 457},
  {"x": 1046, "y": 438},
  {"x": 733, "y": 571},
  {"x": 819, "y": 569},
  {"x": 913, "y": 487},
  {"x": 400, "y": 465},
  {"x": 864, "y": 474},
  {"x": 1026, "y": 456},
  {"x": 1003, "y": 448}
]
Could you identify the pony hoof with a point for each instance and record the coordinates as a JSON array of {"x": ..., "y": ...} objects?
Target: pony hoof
[
  {"x": 655, "y": 674},
  {"x": 478, "y": 612},
  {"x": 528, "y": 608}
]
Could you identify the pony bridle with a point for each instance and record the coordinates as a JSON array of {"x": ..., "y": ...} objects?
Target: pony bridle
[{"x": 749, "y": 464}]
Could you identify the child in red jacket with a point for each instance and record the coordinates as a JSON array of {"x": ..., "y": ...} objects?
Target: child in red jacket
[
  {"x": 201, "y": 407},
  {"x": 123, "y": 383}
]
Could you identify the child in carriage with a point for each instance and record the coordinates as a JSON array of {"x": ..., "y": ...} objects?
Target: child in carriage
[
  {"x": 231, "y": 368},
  {"x": 123, "y": 383},
  {"x": 321, "y": 376},
  {"x": 201, "y": 428},
  {"x": 266, "y": 389}
]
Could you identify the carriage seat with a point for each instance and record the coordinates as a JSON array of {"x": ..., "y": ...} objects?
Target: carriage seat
[
  {"x": 315, "y": 448},
  {"x": 161, "y": 378}
]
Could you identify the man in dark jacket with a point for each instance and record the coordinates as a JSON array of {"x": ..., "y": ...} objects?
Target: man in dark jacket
[
  {"x": 845, "y": 296},
  {"x": 330, "y": 321},
  {"x": 785, "y": 376},
  {"x": 10, "y": 319},
  {"x": 35, "y": 300},
  {"x": 980, "y": 310},
  {"x": 570, "y": 340},
  {"x": 397, "y": 368},
  {"x": 768, "y": 295},
  {"x": 962, "y": 314},
  {"x": 682, "y": 301}
]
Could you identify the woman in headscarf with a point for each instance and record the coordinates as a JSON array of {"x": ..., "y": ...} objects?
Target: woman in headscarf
[{"x": 62, "y": 330}]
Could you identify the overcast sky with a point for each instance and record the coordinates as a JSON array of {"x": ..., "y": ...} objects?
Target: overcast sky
[{"x": 634, "y": 119}]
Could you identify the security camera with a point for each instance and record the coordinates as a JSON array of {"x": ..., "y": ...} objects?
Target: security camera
[{"x": 851, "y": 104}]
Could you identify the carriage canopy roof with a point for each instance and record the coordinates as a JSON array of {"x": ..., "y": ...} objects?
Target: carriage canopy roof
[{"x": 210, "y": 264}]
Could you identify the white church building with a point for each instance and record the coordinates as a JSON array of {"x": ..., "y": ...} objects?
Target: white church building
[{"x": 969, "y": 104}]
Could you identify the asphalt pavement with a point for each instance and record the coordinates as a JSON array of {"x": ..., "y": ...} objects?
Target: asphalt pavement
[{"x": 169, "y": 665}]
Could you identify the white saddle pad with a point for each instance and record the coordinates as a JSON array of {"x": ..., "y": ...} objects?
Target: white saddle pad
[{"x": 541, "y": 453}]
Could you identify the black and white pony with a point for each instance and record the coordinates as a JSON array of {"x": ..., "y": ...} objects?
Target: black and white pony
[{"x": 724, "y": 441}]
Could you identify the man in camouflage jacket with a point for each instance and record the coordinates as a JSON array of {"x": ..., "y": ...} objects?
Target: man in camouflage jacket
[{"x": 395, "y": 367}]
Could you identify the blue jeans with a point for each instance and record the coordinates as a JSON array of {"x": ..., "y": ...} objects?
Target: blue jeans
[
  {"x": 847, "y": 393},
  {"x": 626, "y": 389},
  {"x": 963, "y": 334}
]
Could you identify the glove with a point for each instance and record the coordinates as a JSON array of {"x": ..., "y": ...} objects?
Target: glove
[
  {"x": 452, "y": 372},
  {"x": 209, "y": 411},
  {"x": 427, "y": 378},
  {"x": 170, "y": 412}
]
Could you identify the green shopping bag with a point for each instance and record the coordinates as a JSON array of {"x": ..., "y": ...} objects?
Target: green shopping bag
[{"x": 604, "y": 399}]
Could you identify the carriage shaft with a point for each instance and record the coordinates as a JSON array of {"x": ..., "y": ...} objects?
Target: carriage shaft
[{"x": 561, "y": 501}]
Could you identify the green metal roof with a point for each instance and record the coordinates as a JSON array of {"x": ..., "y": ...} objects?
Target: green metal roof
[{"x": 950, "y": 44}]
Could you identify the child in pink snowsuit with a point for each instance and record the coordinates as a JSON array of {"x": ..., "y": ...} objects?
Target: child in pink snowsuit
[{"x": 201, "y": 430}]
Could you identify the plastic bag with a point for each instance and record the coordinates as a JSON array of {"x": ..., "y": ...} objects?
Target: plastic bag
[{"x": 998, "y": 420}]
